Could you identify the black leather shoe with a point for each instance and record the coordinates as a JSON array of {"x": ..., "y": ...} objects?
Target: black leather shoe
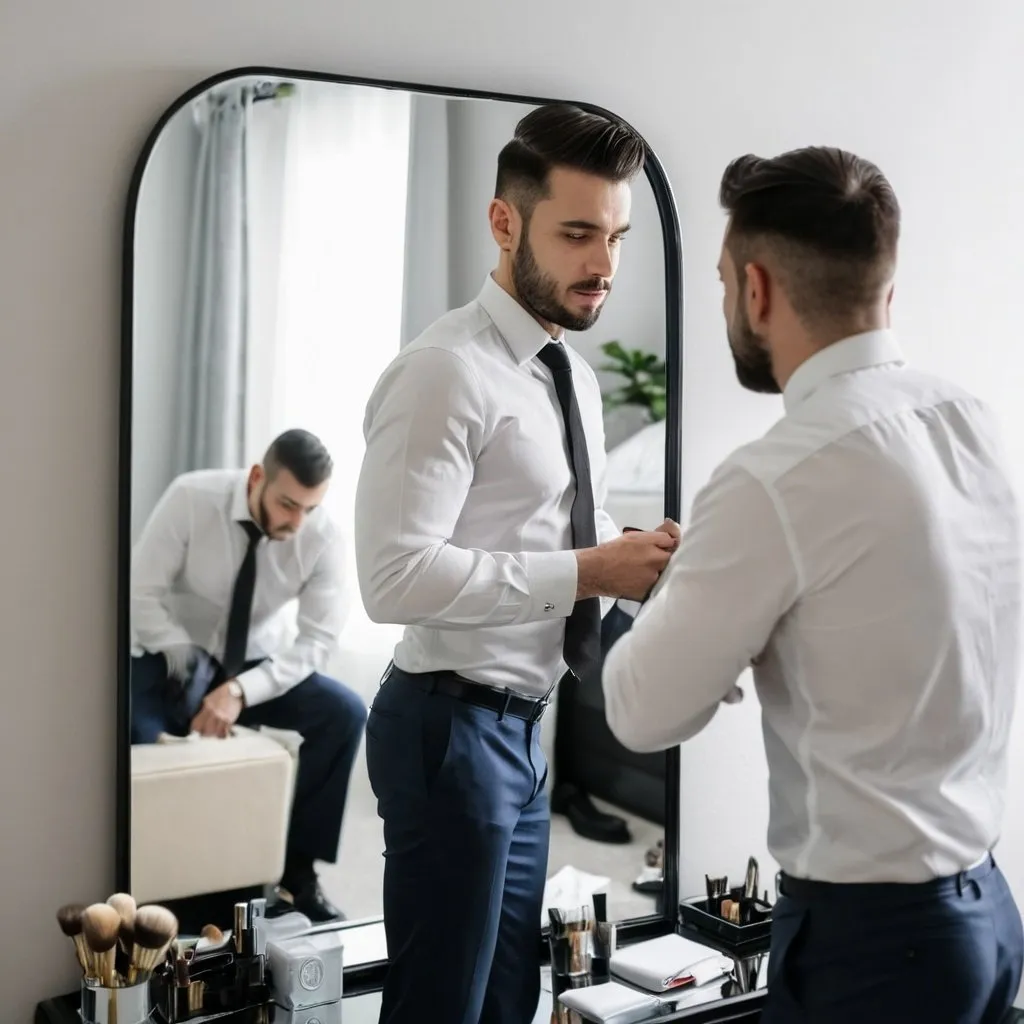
[
  {"x": 586, "y": 819},
  {"x": 309, "y": 900}
]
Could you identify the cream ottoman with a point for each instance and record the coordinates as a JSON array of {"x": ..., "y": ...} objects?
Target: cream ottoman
[{"x": 209, "y": 814}]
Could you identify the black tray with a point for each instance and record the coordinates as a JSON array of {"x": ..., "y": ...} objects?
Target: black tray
[{"x": 695, "y": 915}]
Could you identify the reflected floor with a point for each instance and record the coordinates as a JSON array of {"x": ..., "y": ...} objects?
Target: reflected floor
[{"x": 355, "y": 882}]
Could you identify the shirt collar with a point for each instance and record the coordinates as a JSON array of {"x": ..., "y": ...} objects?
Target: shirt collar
[
  {"x": 523, "y": 335},
  {"x": 240, "y": 500},
  {"x": 858, "y": 352}
]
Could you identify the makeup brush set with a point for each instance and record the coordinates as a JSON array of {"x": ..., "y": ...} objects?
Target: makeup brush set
[
  {"x": 119, "y": 948},
  {"x": 136, "y": 969}
]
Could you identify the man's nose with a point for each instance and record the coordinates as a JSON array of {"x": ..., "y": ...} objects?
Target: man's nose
[{"x": 600, "y": 262}]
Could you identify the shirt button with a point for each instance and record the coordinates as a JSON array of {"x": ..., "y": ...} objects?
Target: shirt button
[{"x": 549, "y": 607}]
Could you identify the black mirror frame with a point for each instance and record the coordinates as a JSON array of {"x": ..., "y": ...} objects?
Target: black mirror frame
[{"x": 368, "y": 977}]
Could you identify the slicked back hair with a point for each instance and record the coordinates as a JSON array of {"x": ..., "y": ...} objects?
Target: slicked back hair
[
  {"x": 828, "y": 219},
  {"x": 302, "y": 454},
  {"x": 563, "y": 135}
]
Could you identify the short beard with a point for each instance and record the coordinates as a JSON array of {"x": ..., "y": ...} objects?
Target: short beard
[
  {"x": 752, "y": 357},
  {"x": 539, "y": 291}
]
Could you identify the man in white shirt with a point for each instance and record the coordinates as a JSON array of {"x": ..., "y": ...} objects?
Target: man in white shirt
[
  {"x": 484, "y": 470},
  {"x": 864, "y": 556},
  {"x": 222, "y": 556}
]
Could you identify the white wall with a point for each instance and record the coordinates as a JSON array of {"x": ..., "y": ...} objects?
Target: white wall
[{"x": 933, "y": 96}]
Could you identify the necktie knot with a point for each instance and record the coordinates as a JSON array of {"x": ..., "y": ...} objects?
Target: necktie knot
[
  {"x": 554, "y": 356},
  {"x": 253, "y": 532}
]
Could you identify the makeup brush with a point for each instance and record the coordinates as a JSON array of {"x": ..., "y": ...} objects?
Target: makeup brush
[
  {"x": 69, "y": 917},
  {"x": 213, "y": 935},
  {"x": 100, "y": 926},
  {"x": 155, "y": 929},
  {"x": 124, "y": 904}
]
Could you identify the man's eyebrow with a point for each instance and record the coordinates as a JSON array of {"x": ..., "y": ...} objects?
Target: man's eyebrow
[{"x": 586, "y": 225}]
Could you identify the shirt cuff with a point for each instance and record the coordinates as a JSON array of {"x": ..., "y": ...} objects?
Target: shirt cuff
[
  {"x": 257, "y": 686},
  {"x": 552, "y": 577}
]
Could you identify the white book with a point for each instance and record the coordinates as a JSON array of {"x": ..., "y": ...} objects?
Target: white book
[{"x": 669, "y": 962}]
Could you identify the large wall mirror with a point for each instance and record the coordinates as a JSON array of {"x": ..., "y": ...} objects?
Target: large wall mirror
[{"x": 287, "y": 234}]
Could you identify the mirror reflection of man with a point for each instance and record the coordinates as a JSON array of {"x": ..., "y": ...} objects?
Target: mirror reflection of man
[
  {"x": 479, "y": 526},
  {"x": 221, "y": 556}
]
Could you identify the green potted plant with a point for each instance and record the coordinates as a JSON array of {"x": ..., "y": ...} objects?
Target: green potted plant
[{"x": 643, "y": 374}]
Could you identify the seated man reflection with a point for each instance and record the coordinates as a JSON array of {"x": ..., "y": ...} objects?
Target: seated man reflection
[{"x": 221, "y": 556}]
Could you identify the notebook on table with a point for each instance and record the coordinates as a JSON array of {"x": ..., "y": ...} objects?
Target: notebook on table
[
  {"x": 614, "y": 1003},
  {"x": 669, "y": 963}
]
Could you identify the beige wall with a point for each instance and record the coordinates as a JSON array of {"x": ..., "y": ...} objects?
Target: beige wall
[{"x": 931, "y": 92}]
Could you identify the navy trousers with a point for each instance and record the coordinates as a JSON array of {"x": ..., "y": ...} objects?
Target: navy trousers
[
  {"x": 943, "y": 952},
  {"x": 329, "y": 716},
  {"x": 466, "y": 826}
]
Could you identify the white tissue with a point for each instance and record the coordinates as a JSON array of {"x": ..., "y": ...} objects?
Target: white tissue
[{"x": 570, "y": 888}]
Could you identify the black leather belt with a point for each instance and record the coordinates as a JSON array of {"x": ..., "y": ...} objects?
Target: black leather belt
[
  {"x": 502, "y": 702},
  {"x": 808, "y": 891}
]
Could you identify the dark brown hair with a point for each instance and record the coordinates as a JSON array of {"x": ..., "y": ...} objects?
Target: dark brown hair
[
  {"x": 563, "y": 135},
  {"x": 829, "y": 218},
  {"x": 302, "y": 454}
]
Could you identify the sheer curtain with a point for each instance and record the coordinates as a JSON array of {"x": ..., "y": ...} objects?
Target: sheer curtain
[
  {"x": 340, "y": 280},
  {"x": 212, "y": 392}
]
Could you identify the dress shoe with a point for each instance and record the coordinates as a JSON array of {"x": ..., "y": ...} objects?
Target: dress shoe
[
  {"x": 309, "y": 899},
  {"x": 586, "y": 819},
  {"x": 651, "y": 881}
]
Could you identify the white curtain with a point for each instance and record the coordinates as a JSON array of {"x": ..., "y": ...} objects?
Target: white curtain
[
  {"x": 214, "y": 350},
  {"x": 340, "y": 278}
]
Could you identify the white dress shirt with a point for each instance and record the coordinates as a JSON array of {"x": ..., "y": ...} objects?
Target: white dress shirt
[
  {"x": 865, "y": 556},
  {"x": 462, "y": 509},
  {"x": 183, "y": 572}
]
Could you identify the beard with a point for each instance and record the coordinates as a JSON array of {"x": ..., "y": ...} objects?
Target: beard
[
  {"x": 538, "y": 291},
  {"x": 266, "y": 525},
  {"x": 752, "y": 357}
]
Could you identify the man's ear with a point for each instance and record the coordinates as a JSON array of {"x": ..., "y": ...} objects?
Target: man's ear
[
  {"x": 504, "y": 221},
  {"x": 756, "y": 295}
]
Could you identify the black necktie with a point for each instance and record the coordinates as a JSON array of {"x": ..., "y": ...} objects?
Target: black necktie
[
  {"x": 237, "y": 639},
  {"x": 582, "y": 647}
]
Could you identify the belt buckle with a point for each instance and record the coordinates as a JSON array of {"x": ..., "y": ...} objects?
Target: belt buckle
[{"x": 538, "y": 710}]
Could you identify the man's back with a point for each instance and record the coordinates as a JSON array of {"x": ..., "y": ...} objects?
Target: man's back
[{"x": 889, "y": 686}]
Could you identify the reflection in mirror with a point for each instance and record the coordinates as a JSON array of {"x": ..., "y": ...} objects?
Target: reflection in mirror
[{"x": 290, "y": 238}]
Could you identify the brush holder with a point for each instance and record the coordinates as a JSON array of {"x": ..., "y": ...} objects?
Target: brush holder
[{"x": 128, "y": 1005}]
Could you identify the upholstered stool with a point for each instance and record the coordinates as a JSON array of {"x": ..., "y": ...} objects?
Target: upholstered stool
[{"x": 210, "y": 814}]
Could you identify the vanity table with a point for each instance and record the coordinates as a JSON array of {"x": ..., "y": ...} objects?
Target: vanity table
[{"x": 364, "y": 1008}]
